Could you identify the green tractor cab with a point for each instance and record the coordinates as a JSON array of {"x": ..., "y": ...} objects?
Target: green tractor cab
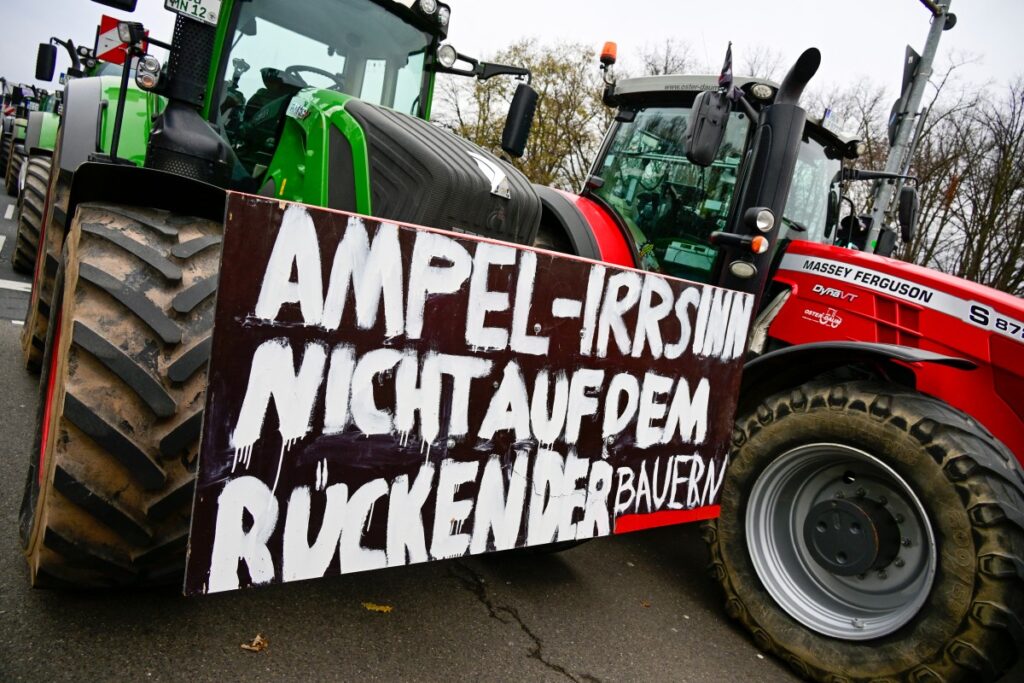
[{"x": 323, "y": 101}]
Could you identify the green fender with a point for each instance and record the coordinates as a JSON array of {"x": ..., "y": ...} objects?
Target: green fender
[
  {"x": 139, "y": 110},
  {"x": 301, "y": 168}
]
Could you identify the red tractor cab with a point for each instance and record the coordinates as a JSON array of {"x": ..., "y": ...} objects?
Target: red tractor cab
[{"x": 871, "y": 512}]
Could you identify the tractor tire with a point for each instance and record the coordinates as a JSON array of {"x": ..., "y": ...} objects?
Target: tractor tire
[
  {"x": 32, "y": 204},
  {"x": 37, "y": 317},
  {"x": 109, "y": 489},
  {"x": 941, "y": 584},
  {"x": 13, "y": 171},
  {"x": 5, "y": 151}
]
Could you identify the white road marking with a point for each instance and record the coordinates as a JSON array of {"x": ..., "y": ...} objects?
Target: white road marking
[
  {"x": 9, "y": 214},
  {"x": 18, "y": 323},
  {"x": 2, "y": 240},
  {"x": 16, "y": 286}
]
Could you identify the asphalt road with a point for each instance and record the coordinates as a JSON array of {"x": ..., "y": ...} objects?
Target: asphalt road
[{"x": 634, "y": 607}]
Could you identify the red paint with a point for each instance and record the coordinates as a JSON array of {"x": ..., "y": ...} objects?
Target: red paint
[
  {"x": 628, "y": 523},
  {"x": 986, "y": 393},
  {"x": 51, "y": 382},
  {"x": 610, "y": 240}
]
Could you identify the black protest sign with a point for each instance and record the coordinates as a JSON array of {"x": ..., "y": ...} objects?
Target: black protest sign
[{"x": 381, "y": 395}]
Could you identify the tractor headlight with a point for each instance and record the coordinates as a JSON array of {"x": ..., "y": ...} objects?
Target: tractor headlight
[
  {"x": 147, "y": 72},
  {"x": 131, "y": 32},
  {"x": 444, "y": 15},
  {"x": 447, "y": 56},
  {"x": 743, "y": 269},
  {"x": 428, "y": 6},
  {"x": 760, "y": 218},
  {"x": 761, "y": 91}
]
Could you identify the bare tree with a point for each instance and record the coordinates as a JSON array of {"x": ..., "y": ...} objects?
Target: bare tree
[
  {"x": 671, "y": 57},
  {"x": 761, "y": 61},
  {"x": 570, "y": 118}
]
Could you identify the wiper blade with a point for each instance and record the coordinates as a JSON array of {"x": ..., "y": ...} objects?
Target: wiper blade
[{"x": 799, "y": 227}]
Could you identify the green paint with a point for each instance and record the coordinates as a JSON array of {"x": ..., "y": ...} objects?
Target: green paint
[
  {"x": 48, "y": 132},
  {"x": 430, "y": 98},
  {"x": 301, "y": 169},
  {"x": 139, "y": 110},
  {"x": 220, "y": 44}
]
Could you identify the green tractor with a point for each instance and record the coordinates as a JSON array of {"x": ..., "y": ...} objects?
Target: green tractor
[
  {"x": 7, "y": 110},
  {"x": 325, "y": 102},
  {"x": 24, "y": 99},
  {"x": 93, "y": 94},
  {"x": 33, "y": 180}
]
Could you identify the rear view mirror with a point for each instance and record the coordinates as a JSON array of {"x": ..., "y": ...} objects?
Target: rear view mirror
[
  {"x": 906, "y": 212},
  {"x": 519, "y": 121},
  {"x": 46, "y": 62},
  {"x": 707, "y": 127},
  {"x": 832, "y": 212},
  {"x": 123, "y": 5}
]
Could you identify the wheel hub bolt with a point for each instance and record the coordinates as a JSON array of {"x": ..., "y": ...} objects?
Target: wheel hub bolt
[
  {"x": 883, "y": 500},
  {"x": 899, "y": 562},
  {"x": 882, "y": 574},
  {"x": 856, "y": 623},
  {"x": 839, "y": 494},
  {"x": 906, "y": 542},
  {"x": 899, "y": 519},
  {"x": 861, "y": 493}
]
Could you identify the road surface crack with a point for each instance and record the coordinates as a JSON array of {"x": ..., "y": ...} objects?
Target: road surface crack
[{"x": 473, "y": 582}]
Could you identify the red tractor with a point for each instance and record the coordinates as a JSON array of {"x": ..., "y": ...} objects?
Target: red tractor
[{"x": 872, "y": 520}]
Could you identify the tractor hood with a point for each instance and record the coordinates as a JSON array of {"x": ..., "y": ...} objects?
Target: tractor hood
[
  {"x": 888, "y": 275},
  {"x": 420, "y": 173}
]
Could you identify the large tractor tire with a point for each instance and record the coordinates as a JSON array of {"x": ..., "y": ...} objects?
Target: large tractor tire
[
  {"x": 37, "y": 317},
  {"x": 109, "y": 488},
  {"x": 14, "y": 171},
  {"x": 6, "y": 140},
  {"x": 868, "y": 532},
  {"x": 32, "y": 203}
]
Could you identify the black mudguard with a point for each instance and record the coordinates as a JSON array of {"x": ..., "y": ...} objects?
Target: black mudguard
[{"x": 128, "y": 184}]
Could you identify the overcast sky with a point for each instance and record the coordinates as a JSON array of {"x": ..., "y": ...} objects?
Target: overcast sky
[{"x": 857, "y": 37}]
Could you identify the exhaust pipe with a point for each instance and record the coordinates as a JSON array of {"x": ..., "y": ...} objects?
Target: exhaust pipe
[{"x": 767, "y": 176}]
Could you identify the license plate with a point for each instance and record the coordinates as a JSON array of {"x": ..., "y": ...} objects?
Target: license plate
[{"x": 206, "y": 11}]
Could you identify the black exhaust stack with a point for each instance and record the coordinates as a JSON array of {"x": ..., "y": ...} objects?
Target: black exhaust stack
[
  {"x": 182, "y": 141},
  {"x": 766, "y": 182}
]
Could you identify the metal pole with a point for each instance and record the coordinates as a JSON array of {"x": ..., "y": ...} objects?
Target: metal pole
[
  {"x": 121, "y": 97},
  {"x": 894, "y": 164}
]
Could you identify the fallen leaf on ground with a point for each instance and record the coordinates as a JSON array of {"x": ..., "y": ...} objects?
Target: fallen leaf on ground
[
  {"x": 257, "y": 644},
  {"x": 645, "y": 603},
  {"x": 374, "y": 607}
]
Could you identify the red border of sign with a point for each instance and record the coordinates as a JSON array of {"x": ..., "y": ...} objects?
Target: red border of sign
[{"x": 628, "y": 523}]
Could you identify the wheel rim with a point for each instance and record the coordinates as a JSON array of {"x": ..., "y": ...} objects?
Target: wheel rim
[{"x": 821, "y": 511}]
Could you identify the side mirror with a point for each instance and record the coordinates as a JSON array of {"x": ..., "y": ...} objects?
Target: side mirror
[
  {"x": 123, "y": 5},
  {"x": 46, "y": 62},
  {"x": 519, "y": 121},
  {"x": 707, "y": 127},
  {"x": 906, "y": 212},
  {"x": 831, "y": 212}
]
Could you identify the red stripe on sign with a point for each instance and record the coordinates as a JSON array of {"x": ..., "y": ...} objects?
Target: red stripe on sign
[{"x": 627, "y": 523}]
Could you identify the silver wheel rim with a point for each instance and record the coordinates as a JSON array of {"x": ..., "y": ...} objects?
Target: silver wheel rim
[{"x": 862, "y": 607}]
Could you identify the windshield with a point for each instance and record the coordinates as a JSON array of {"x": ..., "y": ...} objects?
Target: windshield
[
  {"x": 282, "y": 46},
  {"x": 670, "y": 205},
  {"x": 807, "y": 204}
]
